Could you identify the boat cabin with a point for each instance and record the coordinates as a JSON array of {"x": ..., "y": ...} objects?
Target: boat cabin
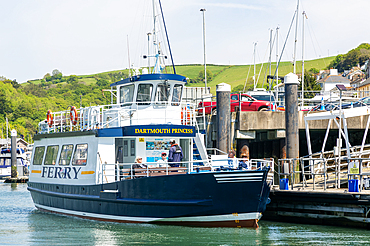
[{"x": 100, "y": 143}]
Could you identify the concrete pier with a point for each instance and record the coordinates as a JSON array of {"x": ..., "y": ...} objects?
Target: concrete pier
[
  {"x": 291, "y": 115},
  {"x": 223, "y": 116}
]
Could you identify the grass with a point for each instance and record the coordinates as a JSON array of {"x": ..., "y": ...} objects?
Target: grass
[{"x": 233, "y": 75}]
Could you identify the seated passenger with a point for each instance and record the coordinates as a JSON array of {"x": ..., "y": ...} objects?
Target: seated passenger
[
  {"x": 233, "y": 162},
  {"x": 163, "y": 161},
  {"x": 138, "y": 163},
  {"x": 244, "y": 163}
]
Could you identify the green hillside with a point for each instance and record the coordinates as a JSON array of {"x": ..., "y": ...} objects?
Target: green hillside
[
  {"x": 237, "y": 75},
  {"x": 25, "y": 105}
]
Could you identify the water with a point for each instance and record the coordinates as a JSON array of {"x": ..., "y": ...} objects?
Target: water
[{"x": 22, "y": 224}]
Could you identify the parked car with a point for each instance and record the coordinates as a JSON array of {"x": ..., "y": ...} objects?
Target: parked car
[
  {"x": 326, "y": 107},
  {"x": 365, "y": 101},
  {"x": 247, "y": 103}
]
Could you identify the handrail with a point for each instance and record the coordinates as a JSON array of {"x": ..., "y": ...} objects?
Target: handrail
[
  {"x": 147, "y": 169},
  {"x": 321, "y": 167},
  {"x": 116, "y": 115}
]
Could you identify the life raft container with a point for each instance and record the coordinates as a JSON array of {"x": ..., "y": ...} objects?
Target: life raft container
[
  {"x": 49, "y": 118},
  {"x": 73, "y": 115},
  {"x": 185, "y": 116}
]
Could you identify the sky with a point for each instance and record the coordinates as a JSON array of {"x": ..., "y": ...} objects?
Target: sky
[{"x": 91, "y": 36}]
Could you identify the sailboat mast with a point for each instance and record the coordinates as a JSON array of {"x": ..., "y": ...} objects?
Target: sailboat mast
[
  {"x": 254, "y": 66},
  {"x": 277, "y": 54},
  {"x": 270, "y": 51},
  {"x": 295, "y": 40},
  {"x": 303, "y": 15}
]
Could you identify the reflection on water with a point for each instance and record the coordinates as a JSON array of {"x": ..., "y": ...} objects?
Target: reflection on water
[{"x": 22, "y": 224}]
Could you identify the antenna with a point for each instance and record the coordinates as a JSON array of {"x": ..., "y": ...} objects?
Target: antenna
[
  {"x": 295, "y": 40},
  {"x": 128, "y": 55}
]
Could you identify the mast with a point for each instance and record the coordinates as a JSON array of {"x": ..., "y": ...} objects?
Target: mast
[
  {"x": 270, "y": 50},
  {"x": 303, "y": 15},
  {"x": 254, "y": 66},
  {"x": 295, "y": 40},
  {"x": 148, "y": 51},
  {"x": 204, "y": 50},
  {"x": 277, "y": 54}
]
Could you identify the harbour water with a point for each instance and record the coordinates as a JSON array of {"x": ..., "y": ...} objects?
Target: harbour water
[{"x": 22, "y": 224}]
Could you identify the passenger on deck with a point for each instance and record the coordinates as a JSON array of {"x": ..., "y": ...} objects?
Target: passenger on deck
[
  {"x": 138, "y": 163},
  {"x": 175, "y": 154},
  {"x": 163, "y": 161},
  {"x": 244, "y": 163},
  {"x": 232, "y": 161}
]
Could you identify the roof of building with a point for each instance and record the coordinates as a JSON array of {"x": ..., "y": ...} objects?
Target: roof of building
[
  {"x": 334, "y": 79},
  {"x": 366, "y": 82}
]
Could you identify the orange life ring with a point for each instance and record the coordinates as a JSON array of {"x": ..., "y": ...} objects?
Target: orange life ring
[
  {"x": 49, "y": 118},
  {"x": 73, "y": 115}
]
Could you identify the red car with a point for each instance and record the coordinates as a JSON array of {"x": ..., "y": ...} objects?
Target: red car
[{"x": 247, "y": 103}]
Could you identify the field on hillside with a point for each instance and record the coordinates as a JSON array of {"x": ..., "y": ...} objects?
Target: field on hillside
[
  {"x": 237, "y": 75},
  {"x": 234, "y": 75}
]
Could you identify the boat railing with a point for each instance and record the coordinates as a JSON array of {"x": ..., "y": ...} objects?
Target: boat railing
[
  {"x": 149, "y": 169},
  {"x": 122, "y": 171},
  {"x": 215, "y": 151},
  {"x": 118, "y": 115},
  {"x": 323, "y": 173}
]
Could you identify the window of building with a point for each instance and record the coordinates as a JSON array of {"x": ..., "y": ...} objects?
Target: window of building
[
  {"x": 51, "y": 155},
  {"x": 80, "y": 155},
  {"x": 38, "y": 155},
  {"x": 66, "y": 154}
]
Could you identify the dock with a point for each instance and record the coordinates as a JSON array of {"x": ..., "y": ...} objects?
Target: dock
[
  {"x": 330, "y": 207},
  {"x": 21, "y": 179}
]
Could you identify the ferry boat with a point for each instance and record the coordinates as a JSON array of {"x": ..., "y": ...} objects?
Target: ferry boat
[
  {"x": 83, "y": 162},
  {"x": 6, "y": 162}
]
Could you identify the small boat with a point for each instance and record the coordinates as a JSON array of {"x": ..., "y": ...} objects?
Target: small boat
[
  {"x": 6, "y": 162},
  {"x": 83, "y": 162}
]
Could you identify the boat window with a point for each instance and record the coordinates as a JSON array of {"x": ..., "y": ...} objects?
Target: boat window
[
  {"x": 38, "y": 155},
  {"x": 176, "y": 97},
  {"x": 51, "y": 155},
  {"x": 80, "y": 155},
  {"x": 126, "y": 94},
  {"x": 66, "y": 155},
  {"x": 119, "y": 157},
  {"x": 144, "y": 93},
  {"x": 8, "y": 162},
  {"x": 132, "y": 147},
  {"x": 125, "y": 148},
  {"x": 162, "y": 93}
]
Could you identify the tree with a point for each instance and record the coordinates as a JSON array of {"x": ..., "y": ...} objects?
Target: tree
[
  {"x": 354, "y": 57},
  {"x": 55, "y": 72},
  {"x": 310, "y": 84},
  {"x": 314, "y": 71},
  {"x": 46, "y": 75},
  {"x": 201, "y": 76}
]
